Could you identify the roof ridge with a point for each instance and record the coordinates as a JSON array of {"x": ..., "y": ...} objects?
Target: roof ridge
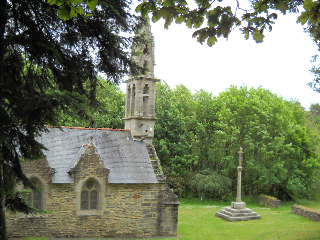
[{"x": 84, "y": 128}]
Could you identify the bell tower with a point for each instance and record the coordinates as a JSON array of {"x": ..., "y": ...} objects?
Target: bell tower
[{"x": 141, "y": 87}]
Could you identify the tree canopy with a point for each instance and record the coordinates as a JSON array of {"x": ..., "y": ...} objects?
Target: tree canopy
[
  {"x": 212, "y": 20},
  {"x": 197, "y": 137},
  {"x": 108, "y": 112},
  {"x": 49, "y": 65}
]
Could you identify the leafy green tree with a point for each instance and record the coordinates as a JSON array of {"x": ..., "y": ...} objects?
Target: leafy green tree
[
  {"x": 214, "y": 19},
  {"x": 217, "y": 19},
  {"x": 279, "y": 152},
  {"x": 313, "y": 122},
  {"x": 48, "y": 65},
  {"x": 205, "y": 125},
  {"x": 198, "y": 137},
  {"x": 173, "y": 134},
  {"x": 74, "y": 8},
  {"x": 107, "y": 114},
  {"x": 207, "y": 184},
  {"x": 315, "y": 112}
]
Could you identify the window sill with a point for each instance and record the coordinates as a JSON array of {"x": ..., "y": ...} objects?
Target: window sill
[{"x": 89, "y": 212}]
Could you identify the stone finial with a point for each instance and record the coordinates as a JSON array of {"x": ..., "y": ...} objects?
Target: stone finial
[{"x": 143, "y": 49}]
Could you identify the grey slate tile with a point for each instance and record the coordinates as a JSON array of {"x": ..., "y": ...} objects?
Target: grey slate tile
[{"x": 128, "y": 160}]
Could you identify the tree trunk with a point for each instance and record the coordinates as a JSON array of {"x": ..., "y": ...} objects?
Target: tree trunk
[
  {"x": 3, "y": 229},
  {"x": 3, "y": 23}
]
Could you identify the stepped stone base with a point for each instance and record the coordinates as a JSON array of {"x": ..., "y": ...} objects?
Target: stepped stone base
[{"x": 237, "y": 214}]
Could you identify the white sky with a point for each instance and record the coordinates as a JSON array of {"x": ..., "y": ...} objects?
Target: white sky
[{"x": 281, "y": 63}]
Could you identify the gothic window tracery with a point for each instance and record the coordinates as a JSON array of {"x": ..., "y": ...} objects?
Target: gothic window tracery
[{"x": 90, "y": 195}]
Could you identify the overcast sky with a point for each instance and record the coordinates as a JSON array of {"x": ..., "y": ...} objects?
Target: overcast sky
[{"x": 281, "y": 63}]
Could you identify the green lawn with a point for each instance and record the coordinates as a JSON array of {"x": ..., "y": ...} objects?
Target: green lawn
[{"x": 197, "y": 220}]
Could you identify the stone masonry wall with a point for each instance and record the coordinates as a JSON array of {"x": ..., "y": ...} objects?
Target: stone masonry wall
[
  {"x": 126, "y": 210},
  {"x": 269, "y": 201},
  {"x": 310, "y": 213}
]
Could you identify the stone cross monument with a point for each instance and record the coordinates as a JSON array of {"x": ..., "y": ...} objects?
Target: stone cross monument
[
  {"x": 238, "y": 203},
  {"x": 238, "y": 210}
]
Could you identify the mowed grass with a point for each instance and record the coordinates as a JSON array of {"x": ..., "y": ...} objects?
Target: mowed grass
[{"x": 197, "y": 220}]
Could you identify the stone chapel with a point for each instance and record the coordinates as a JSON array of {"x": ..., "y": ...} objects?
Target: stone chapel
[{"x": 98, "y": 182}]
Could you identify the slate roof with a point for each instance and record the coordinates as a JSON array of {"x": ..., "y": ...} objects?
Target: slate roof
[{"x": 127, "y": 159}]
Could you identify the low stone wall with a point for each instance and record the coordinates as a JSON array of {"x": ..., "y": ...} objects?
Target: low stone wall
[
  {"x": 310, "y": 213},
  {"x": 269, "y": 201}
]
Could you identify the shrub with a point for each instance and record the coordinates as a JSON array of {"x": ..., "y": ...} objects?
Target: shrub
[
  {"x": 212, "y": 185},
  {"x": 177, "y": 184}
]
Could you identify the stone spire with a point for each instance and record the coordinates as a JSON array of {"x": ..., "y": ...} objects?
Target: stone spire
[
  {"x": 143, "y": 49},
  {"x": 141, "y": 87}
]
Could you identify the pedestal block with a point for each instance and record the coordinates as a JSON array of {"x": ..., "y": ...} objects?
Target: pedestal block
[
  {"x": 238, "y": 205},
  {"x": 237, "y": 212}
]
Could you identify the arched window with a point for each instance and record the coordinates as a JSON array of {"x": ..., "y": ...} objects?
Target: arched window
[
  {"x": 90, "y": 195},
  {"x": 145, "y": 105},
  {"x": 133, "y": 96},
  {"x": 146, "y": 89},
  {"x": 35, "y": 198}
]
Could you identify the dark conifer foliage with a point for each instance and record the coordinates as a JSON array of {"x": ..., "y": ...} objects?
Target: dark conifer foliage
[{"x": 48, "y": 65}]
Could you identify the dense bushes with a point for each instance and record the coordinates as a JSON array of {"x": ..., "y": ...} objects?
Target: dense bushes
[{"x": 211, "y": 185}]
